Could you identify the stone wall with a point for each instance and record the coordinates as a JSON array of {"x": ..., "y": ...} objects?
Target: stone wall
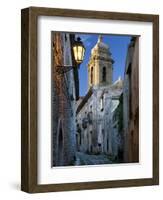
[
  {"x": 63, "y": 103},
  {"x": 131, "y": 103}
]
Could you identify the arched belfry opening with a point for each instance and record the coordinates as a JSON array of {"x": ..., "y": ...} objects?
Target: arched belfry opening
[
  {"x": 91, "y": 75},
  {"x": 104, "y": 74}
]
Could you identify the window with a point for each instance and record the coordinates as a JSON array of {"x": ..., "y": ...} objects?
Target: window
[
  {"x": 65, "y": 37},
  {"x": 91, "y": 75},
  {"x": 79, "y": 138},
  {"x": 102, "y": 103},
  {"x": 104, "y": 74},
  {"x": 99, "y": 144},
  {"x": 107, "y": 144},
  {"x": 130, "y": 90}
]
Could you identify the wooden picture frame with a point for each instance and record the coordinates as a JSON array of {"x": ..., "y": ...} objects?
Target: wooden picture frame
[{"x": 29, "y": 110}]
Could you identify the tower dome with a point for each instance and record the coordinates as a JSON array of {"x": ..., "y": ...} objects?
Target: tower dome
[
  {"x": 100, "y": 45},
  {"x": 101, "y": 49}
]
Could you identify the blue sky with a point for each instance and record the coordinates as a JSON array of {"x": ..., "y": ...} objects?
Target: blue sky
[{"x": 118, "y": 45}]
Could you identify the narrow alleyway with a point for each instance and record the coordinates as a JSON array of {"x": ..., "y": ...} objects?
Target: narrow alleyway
[{"x": 88, "y": 159}]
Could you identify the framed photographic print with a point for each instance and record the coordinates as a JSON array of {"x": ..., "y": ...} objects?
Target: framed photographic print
[{"x": 90, "y": 99}]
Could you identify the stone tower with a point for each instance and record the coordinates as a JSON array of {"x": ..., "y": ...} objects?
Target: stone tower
[{"x": 100, "y": 65}]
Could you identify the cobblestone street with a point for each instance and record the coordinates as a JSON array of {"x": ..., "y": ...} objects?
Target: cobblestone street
[{"x": 88, "y": 159}]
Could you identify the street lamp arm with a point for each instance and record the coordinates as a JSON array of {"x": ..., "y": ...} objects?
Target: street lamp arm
[
  {"x": 63, "y": 69},
  {"x": 78, "y": 51}
]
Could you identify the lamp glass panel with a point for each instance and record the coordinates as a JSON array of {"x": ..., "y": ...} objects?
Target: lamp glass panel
[
  {"x": 80, "y": 54},
  {"x": 75, "y": 52}
]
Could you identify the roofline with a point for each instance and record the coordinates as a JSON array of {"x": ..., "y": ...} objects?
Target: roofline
[{"x": 85, "y": 99}]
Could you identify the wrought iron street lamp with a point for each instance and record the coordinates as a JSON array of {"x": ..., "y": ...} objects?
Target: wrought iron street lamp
[{"x": 78, "y": 52}]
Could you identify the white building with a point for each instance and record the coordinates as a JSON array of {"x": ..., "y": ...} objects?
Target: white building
[{"x": 97, "y": 125}]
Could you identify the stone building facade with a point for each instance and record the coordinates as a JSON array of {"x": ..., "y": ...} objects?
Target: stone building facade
[
  {"x": 97, "y": 122},
  {"x": 64, "y": 96},
  {"x": 131, "y": 103}
]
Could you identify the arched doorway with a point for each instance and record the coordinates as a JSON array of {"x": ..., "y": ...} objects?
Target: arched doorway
[{"x": 60, "y": 144}]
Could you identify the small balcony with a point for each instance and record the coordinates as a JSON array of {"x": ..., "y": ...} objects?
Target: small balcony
[{"x": 85, "y": 122}]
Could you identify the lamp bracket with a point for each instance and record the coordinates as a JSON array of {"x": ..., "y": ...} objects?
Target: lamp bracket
[{"x": 63, "y": 69}]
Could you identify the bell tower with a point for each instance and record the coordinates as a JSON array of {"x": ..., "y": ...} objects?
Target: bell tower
[{"x": 100, "y": 66}]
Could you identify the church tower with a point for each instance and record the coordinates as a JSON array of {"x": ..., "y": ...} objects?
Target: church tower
[{"x": 100, "y": 66}]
